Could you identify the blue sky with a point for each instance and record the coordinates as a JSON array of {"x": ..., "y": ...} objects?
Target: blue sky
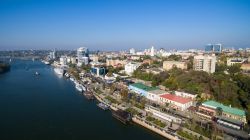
[{"x": 122, "y": 24}]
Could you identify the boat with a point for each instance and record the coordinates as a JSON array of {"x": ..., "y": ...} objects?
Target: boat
[
  {"x": 89, "y": 95},
  {"x": 78, "y": 87},
  {"x": 83, "y": 87},
  {"x": 46, "y": 62},
  {"x": 103, "y": 106},
  {"x": 36, "y": 73},
  {"x": 123, "y": 116},
  {"x": 66, "y": 75},
  {"x": 59, "y": 71},
  {"x": 71, "y": 79}
]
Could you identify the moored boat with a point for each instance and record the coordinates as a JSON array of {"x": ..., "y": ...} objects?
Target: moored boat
[
  {"x": 103, "y": 106},
  {"x": 123, "y": 116},
  {"x": 59, "y": 71},
  {"x": 78, "y": 87},
  {"x": 67, "y": 75}
]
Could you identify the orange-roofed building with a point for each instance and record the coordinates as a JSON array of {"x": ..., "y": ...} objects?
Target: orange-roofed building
[{"x": 177, "y": 102}]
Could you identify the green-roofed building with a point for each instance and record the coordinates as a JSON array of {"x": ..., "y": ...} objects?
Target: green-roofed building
[
  {"x": 141, "y": 89},
  {"x": 212, "y": 108}
]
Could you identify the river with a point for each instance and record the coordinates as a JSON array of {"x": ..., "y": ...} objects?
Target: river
[{"x": 48, "y": 107}]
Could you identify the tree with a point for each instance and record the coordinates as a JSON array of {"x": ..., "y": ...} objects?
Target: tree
[
  {"x": 124, "y": 94},
  {"x": 109, "y": 74},
  {"x": 190, "y": 63},
  {"x": 174, "y": 57},
  {"x": 112, "y": 88},
  {"x": 234, "y": 69},
  {"x": 220, "y": 68}
]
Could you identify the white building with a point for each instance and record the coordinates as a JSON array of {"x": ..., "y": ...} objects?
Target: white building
[
  {"x": 177, "y": 102},
  {"x": 52, "y": 55},
  {"x": 73, "y": 60},
  {"x": 205, "y": 63},
  {"x": 162, "y": 115},
  {"x": 131, "y": 67},
  {"x": 82, "y": 56},
  {"x": 63, "y": 60},
  {"x": 154, "y": 95},
  {"x": 94, "y": 58},
  {"x": 132, "y": 51},
  {"x": 232, "y": 61},
  {"x": 185, "y": 95},
  {"x": 152, "y": 51}
]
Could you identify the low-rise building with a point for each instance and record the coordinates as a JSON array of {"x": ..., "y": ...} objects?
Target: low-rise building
[
  {"x": 210, "y": 109},
  {"x": 154, "y": 70},
  {"x": 94, "y": 58},
  {"x": 141, "y": 89},
  {"x": 131, "y": 67},
  {"x": 245, "y": 68},
  {"x": 148, "y": 61},
  {"x": 135, "y": 57},
  {"x": 154, "y": 95},
  {"x": 168, "y": 65},
  {"x": 156, "y": 112},
  {"x": 116, "y": 62},
  {"x": 177, "y": 102},
  {"x": 232, "y": 61},
  {"x": 185, "y": 95}
]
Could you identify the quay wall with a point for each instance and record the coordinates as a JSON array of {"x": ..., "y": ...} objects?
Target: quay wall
[{"x": 154, "y": 129}]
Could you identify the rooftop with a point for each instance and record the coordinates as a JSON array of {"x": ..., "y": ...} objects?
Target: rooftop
[
  {"x": 143, "y": 87},
  {"x": 158, "y": 91},
  {"x": 231, "y": 110},
  {"x": 175, "y": 98}
]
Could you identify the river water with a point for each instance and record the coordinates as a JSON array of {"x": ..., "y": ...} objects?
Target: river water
[{"x": 48, "y": 107}]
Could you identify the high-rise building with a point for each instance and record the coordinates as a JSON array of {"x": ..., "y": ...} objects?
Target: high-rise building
[
  {"x": 63, "y": 60},
  {"x": 132, "y": 51},
  {"x": 152, "y": 51},
  {"x": 216, "y": 48},
  {"x": 82, "y": 56},
  {"x": 205, "y": 63},
  {"x": 52, "y": 55}
]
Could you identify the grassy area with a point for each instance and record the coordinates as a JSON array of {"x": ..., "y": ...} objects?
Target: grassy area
[
  {"x": 188, "y": 136},
  {"x": 112, "y": 100},
  {"x": 194, "y": 127},
  {"x": 155, "y": 121},
  {"x": 132, "y": 111},
  {"x": 98, "y": 91},
  {"x": 139, "y": 105}
]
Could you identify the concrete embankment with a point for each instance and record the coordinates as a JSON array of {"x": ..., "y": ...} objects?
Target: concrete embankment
[{"x": 154, "y": 129}]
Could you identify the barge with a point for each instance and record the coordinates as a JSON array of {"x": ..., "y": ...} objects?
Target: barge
[{"x": 123, "y": 116}]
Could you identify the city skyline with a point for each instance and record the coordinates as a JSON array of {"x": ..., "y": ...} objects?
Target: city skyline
[{"x": 120, "y": 25}]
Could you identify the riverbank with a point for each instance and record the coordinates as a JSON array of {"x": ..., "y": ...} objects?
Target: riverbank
[
  {"x": 48, "y": 107},
  {"x": 4, "y": 67},
  {"x": 151, "y": 127}
]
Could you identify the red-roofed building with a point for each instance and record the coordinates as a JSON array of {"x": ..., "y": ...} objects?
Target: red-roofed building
[{"x": 177, "y": 102}]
